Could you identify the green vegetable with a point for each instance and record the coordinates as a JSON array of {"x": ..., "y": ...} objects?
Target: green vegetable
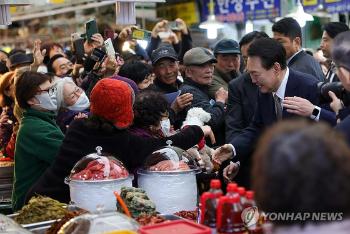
[
  {"x": 137, "y": 201},
  {"x": 40, "y": 209}
]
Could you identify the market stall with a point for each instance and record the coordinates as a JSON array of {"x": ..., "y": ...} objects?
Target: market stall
[{"x": 104, "y": 201}]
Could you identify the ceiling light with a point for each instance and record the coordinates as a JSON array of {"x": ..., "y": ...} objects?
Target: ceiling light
[
  {"x": 299, "y": 14},
  {"x": 211, "y": 24}
]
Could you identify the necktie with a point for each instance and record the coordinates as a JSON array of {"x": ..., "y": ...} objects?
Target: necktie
[
  {"x": 330, "y": 73},
  {"x": 278, "y": 106}
]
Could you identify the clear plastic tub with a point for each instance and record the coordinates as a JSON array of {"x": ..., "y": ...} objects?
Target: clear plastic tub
[{"x": 169, "y": 179}]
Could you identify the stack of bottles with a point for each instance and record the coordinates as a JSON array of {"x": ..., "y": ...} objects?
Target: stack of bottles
[{"x": 223, "y": 213}]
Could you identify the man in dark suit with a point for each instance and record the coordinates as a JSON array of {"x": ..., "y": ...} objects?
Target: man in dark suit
[
  {"x": 267, "y": 67},
  {"x": 330, "y": 31},
  {"x": 242, "y": 93},
  {"x": 287, "y": 31},
  {"x": 340, "y": 114},
  {"x": 241, "y": 102}
]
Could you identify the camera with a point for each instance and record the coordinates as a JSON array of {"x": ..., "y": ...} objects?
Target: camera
[
  {"x": 96, "y": 56},
  {"x": 324, "y": 87}
]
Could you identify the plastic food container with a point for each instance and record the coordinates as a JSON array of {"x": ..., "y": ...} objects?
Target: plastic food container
[
  {"x": 178, "y": 226},
  {"x": 93, "y": 180},
  {"x": 100, "y": 223},
  {"x": 8, "y": 225},
  {"x": 169, "y": 179}
]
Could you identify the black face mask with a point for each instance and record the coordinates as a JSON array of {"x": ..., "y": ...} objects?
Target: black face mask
[{"x": 3, "y": 67}]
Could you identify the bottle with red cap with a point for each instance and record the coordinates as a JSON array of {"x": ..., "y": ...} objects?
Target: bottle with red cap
[
  {"x": 250, "y": 202},
  {"x": 241, "y": 192},
  {"x": 231, "y": 189},
  {"x": 209, "y": 204},
  {"x": 229, "y": 215}
]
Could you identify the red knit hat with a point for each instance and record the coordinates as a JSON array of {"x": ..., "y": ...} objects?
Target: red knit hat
[{"x": 112, "y": 100}]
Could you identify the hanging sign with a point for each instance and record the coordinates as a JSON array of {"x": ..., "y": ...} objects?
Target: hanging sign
[{"x": 243, "y": 10}]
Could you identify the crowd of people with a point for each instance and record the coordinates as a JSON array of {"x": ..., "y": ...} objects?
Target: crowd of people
[{"x": 56, "y": 108}]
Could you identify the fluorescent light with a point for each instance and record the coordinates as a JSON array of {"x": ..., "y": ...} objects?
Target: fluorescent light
[
  {"x": 249, "y": 27},
  {"x": 211, "y": 24}
]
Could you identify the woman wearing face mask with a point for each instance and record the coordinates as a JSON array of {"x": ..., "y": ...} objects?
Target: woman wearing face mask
[
  {"x": 151, "y": 115},
  {"x": 72, "y": 102},
  {"x": 39, "y": 137}
]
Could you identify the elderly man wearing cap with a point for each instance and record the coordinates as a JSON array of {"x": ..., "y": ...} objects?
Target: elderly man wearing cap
[
  {"x": 166, "y": 69},
  {"x": 227, "y": 54},
  {"x": 199, "y": 68}
]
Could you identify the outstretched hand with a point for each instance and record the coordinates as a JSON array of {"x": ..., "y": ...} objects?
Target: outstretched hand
[
  {"x": 181, "y": 102},
  {"x": 231, "y": 171},
  {"x": 37, "y": 53},
  {"x": 299, "y": 106},
  {"x": 222, "y": 154}
]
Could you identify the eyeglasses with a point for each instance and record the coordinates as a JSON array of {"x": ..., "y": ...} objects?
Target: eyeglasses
[
  {"x": 77, "y": 91},
  {"x": 51, "y": 90}
]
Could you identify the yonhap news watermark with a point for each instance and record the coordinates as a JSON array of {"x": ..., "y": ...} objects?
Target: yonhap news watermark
[
  {"x": 251, "y": 216},
  {"x": 317, "y": 216}
]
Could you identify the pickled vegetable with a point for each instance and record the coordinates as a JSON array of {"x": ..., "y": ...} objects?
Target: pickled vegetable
[{"x": 40, "y": 209}]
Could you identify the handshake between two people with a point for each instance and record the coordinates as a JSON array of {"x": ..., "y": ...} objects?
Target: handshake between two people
[{"x": 222, "y": 154}]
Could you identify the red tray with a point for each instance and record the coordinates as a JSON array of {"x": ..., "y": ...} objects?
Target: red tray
[{"x": 176, "y": 227}]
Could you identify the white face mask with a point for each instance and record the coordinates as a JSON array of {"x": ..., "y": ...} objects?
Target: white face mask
[
  {"x": 81, "y": 104},
  {"x": 46, "y": 101},
  {"x": 165, "y": 127}
]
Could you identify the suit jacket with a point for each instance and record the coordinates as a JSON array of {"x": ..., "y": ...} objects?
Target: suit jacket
[
  {"x": 299, "y": 84},
  {"x": 242, "y": 95},
  {"x": 241, "y": 103},
  {"x": 328, "y": 116},
  {"x": 305, "y": 63}
]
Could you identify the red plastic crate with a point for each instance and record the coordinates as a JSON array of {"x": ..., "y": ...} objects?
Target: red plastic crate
[{"x": 176, "y": 227}]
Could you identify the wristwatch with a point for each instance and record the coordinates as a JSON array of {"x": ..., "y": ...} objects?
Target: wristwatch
[{"x": 315, "y": 112}]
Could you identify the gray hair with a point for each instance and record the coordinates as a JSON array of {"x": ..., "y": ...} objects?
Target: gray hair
[
  {"x": 59, "y": 89},
  {"x": 341, "y": 50}
]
